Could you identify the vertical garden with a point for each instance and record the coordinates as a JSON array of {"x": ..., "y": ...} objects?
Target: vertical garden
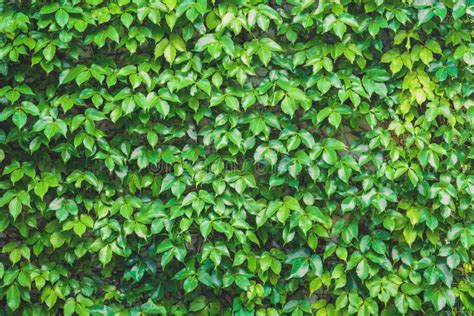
[{"x": 240, "y": 157}]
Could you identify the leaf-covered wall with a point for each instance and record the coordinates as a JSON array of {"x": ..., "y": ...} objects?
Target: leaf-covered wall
[{"x": 244, "y": 157}]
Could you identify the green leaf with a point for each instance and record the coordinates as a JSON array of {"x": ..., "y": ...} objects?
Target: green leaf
[
  {"x": 149, "y": 307},
  {"x": 19, "y": 118},
  {"x": 315, "y": 285},
  {"x": 329, "y": 156},
  {"x": 177, "y": 42},
  {"x": 335, "y": 119},
  {"x": 459, "y": 9},
  {"x": 190, "y": 284},
  {"x": 57, "y": 240},
  {"x": 339, "y": 28},
  {"x": 426, "y": 56},
  {"x": 232, "y": 102},
  {"x": 438, "y": 299},
  {"x": 69, "y": 307},
  {"x": 299, "y": 269},
  {"x": 13, "y": 297},
  {"x": 62, "y": 17},
  {"x": 396, "y": 65},
  {"x": 410, "y": 235},
  {"x": 15, "y": 207},
  {"x": 288, "y": 106},
  {"x": 198, "y": 304},
  {"x": 49, "y": 51},
  {"x": 425, "y": 15},
  {"x": 363, "y": 269},
  {"x": 324, "y": 84},
  {"x": 265, "y": 55},
  {"x": 105, "y": 255},
  {"x": 401, "y": 303},
  {"x": 126, "y": 19},
  {"x": 160, "y": 48},
  {"x": 171, "y": 4},
  {"x": 164, "y": 245},
  {"x": 170, "y": 53}
]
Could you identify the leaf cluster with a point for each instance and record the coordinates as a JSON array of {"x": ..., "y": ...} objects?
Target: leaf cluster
[{"x": 240, "y": 157}]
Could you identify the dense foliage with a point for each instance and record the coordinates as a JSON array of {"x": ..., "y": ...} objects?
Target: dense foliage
[{"x": 246, "y": 157}]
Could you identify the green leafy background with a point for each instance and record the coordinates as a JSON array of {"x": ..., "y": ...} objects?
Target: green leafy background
[{"x": 243, "y": 157}]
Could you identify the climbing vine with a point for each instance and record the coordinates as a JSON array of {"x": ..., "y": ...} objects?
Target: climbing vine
[{"x": 240, "y": 157}]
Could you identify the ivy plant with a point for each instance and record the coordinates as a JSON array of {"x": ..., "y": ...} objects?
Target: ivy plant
[{"x": 236, "y": 157}]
